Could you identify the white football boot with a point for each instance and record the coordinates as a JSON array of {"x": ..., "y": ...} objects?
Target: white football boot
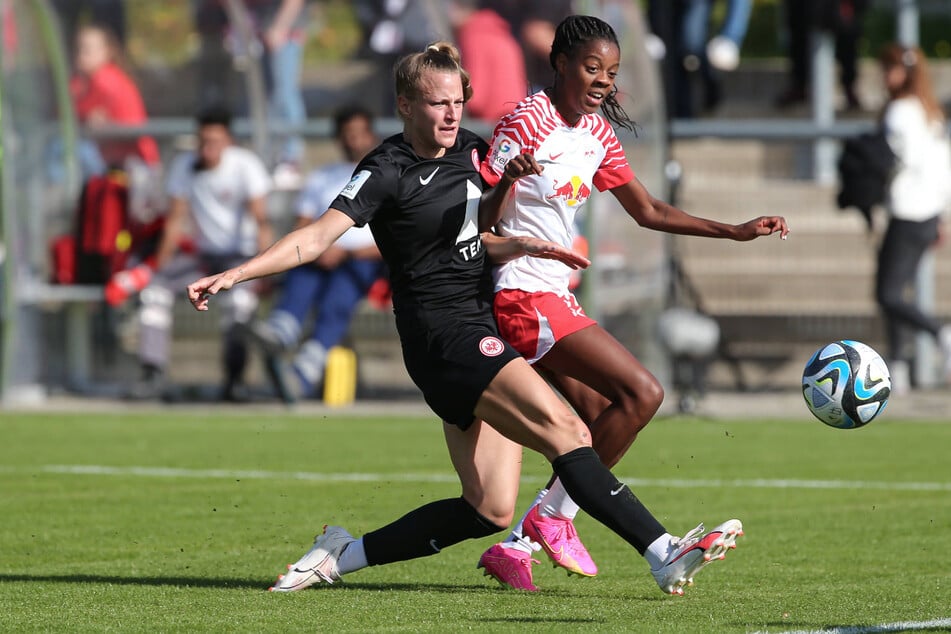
[
  {"x": 693, "y": 551},
  {"x": 319, "y": 564}
]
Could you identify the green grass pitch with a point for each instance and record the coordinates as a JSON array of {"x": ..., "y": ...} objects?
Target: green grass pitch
[{"x": 179, "y": 520}]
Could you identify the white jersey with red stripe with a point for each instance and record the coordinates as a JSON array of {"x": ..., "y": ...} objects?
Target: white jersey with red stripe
[{"x": 544, "y": 206}]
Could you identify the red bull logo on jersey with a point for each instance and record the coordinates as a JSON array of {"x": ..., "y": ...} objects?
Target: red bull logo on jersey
[{"x": 573, "y": 192}]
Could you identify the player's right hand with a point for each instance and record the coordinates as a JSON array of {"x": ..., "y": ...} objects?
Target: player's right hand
[
  {"x": 200, "y": 291},
  {"x": 538, "y": 248}
]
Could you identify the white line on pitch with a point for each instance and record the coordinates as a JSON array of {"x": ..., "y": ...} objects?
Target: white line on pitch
[
  {"x": 168, "y": 472},
  {"x": 904, "y": 626}
]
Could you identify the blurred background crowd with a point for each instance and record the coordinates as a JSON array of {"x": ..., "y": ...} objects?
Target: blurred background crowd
[{"x": 741, "y": 105}]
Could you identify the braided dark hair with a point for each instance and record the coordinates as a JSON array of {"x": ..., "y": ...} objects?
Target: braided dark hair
[{"x": 577, "y": 30}]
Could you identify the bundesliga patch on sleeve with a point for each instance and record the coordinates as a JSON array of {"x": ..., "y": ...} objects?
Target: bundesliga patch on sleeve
[
  {"x": 505, "y": 149},
  {"x": 353, "y": 187}
]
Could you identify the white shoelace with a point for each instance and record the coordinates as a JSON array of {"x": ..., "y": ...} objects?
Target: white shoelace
[{"x": 688, "y": 540}]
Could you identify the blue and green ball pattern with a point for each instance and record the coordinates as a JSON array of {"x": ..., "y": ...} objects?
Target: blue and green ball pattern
[{"x": 846, "y": 384}]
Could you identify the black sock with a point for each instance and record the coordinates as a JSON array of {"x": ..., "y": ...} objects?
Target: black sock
[
  {"x": 425, "y": 531},
  {"x": 595, "y": 489}
]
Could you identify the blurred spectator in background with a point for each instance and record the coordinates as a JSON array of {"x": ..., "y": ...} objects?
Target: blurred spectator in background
[
  {"x": 697, "y": 54},
  {"x": 393, "y": 28},
  {"x": 843, "y": 18},
  {"x": 493, "y": 58},
  {"x": 533, "y": 23},
  {"x": 723, "y": 50},
  {"x": 220, "y": 192},
  {"x": 282, "y": 27},
  {"x": 279, "y": 32},
  {"x": 918, "y": 199},
  {"x": 10, "y": 34},
  {"x": 683, "y": 27},
  {"x": 104, "y": 94},
  {"x": 663, "y": 21},
  {"x": 215, "y": 66},
  {"x": 333, "y": 285},
  {"x": 108, "y": 13}
]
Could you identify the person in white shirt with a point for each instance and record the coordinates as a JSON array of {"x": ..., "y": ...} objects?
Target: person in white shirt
[
  {"x": 219, "y": 193},
  {"x": 333, "y": 285},
  {"x": 545, "y": 160},
  {"x": 917, "y": 199}
]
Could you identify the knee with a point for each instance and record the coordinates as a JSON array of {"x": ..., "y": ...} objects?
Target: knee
[
  {"x": 641, "y": 400},
  {"x": 653, "y": 396},
  {"x": 562, "y": 431},
  {"x": 500, "y": 518},
  {"x": 497, "y": 510},
  {"x": 573, "y": 433}
]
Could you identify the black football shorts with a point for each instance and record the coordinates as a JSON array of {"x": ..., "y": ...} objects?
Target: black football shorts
[{"x": 454, "y": 363}]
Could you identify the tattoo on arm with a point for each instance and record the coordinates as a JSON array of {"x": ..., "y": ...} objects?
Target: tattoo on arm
[{"x": 299, "y": 260}]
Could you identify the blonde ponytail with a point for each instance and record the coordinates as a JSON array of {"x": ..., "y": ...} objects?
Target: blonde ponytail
[{"x": 439, "y": 56}]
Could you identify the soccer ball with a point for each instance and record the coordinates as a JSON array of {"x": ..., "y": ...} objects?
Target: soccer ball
[{"x": 846, "y": 384}]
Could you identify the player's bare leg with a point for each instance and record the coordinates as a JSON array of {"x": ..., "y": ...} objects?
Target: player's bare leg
[
  {"x": 489, "y": 466},
  {"x": 631, "y": 396}
]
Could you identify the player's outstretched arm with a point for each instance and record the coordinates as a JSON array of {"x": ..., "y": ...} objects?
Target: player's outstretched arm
[
  {"x": 301, "y": 246},
  {"x": 654, "y": 213},
  {"x": 502, "y": 249}
]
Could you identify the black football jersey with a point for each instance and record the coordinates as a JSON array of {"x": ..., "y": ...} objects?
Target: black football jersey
[{"x": 424, "y": 217}]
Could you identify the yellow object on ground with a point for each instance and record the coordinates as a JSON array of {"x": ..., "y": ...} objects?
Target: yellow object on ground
[{"x": 340, "y": 377}]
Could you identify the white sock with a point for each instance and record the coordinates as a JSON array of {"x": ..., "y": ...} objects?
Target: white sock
[
  {"x": 515, "y": 538},
  {"x": 353, "y": 557},
  {"x": 656, "y": 553},
  {"x": 557, "y": 503}
]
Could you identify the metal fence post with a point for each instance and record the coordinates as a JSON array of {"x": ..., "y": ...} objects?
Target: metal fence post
[
  {"x": 906, "y": 22},
  {"x": 822, "y": 47},
  {"x": 248, "y": 58}
]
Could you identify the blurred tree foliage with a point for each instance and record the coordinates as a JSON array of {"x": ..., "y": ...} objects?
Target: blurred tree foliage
[
  {"x": 160, "y": 32},
  {"x": 765, "y": 37},
  {"x": 164, "y": 34}
]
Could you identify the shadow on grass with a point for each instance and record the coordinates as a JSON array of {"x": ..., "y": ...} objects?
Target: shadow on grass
[
  {"x": 442, "y": 587},
  {"x": 186, "y": 582},
  {"x": 540, "y": 620},
  {"x": 256, "y": 584},
  {"x": 922, "y": 626}
]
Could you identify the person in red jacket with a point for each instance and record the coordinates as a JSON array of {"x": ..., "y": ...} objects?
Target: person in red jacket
[
  {"x": 104, "y": 94},
  {"x": 493, "y": 58}
]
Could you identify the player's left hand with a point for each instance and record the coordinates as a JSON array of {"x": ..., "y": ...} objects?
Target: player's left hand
[
  {"x": 522, "y": 165},
  {"x": 762, "y": 226},
  {"x": 538, "y": 248}
]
